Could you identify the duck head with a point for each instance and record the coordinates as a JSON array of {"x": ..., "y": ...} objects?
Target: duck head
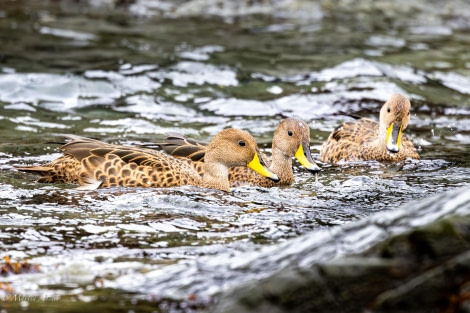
[
  {"x": 234, "y": 147},
  {"x": 292, "y": 138},
  {"x": 394, "y": 118}
]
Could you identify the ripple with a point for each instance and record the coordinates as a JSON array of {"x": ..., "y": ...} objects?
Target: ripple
[
  {"x": 69, "y": 34},
  {"x": 307, "y": 106},
  {"x": 137, "y": 126},
  {"x": 403, "y": 73},
  {"x": 240, "y": 107},
  {"x": 385, "y": 41},
  {"x": 198, "y": 54},
  {"x": 432, "y": 30},
  {"x": 20, "y": 107},
  {"x": 353, "y": 68},
  {"x": 132, "y": 69},
  {"x": 147, "y": 107},
  {"x": 187, "y": 72},
  {"x": 454, "y": 81},
  {"x": 54, "y": 92},
  {"x": 95, "y": 229},
  {"x": 30, "y": 121},
  {"x": 66, "y": 92}
]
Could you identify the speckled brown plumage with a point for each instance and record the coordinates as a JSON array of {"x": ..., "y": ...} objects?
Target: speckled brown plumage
[
  {"x": 291, "y": 134},
  {"x": 92, "y": 164},
  {"x": 366, "y": 139}
]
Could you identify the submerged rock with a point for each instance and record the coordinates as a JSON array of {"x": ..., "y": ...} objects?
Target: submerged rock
[{"x": 421, "y": 265}]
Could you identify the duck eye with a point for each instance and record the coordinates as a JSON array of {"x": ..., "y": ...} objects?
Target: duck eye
[
  {"x": 241, "y": 143},
  {"x": 388, "y": 110},
  {"x": 290, "y": 133}
]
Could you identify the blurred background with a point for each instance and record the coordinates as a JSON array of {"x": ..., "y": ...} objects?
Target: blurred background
[{"x": 130, "y": 71}]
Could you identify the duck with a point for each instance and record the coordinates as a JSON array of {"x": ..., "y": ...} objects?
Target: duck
[
  {"x": 291, "y": 139},
  {"x": 367, "y": 139},
  {"x": 94, "y": 164}
]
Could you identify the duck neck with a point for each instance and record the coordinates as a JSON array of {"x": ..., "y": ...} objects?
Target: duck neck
[
  {"x": 216, "y": 176},
  {"x": 379, "y": 142},
  {"x": 282, "y": 166}
]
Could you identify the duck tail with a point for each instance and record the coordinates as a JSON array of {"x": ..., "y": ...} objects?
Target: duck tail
[
  {"x": 40, "y": 170},
  {"x": 46, "y": 173}
]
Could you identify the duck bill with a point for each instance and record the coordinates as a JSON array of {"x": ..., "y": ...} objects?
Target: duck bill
[
  {"x": 393, "y": 138},
  {"x": 258, "y": 166},
  {"x": 304, "y": 156}
]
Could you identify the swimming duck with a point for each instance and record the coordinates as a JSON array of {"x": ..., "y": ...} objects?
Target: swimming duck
[
  {"x": 366, "y": 139},
  {"x": 291, "y": 139},
  {"x": 93, "y": 164}
]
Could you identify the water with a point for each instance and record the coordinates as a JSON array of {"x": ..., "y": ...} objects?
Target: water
[{"x": 130, "y": 73}]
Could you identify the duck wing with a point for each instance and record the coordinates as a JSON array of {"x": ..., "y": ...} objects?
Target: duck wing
[
  {"x": 180, "y": 146},
  {"x": 345, "y": 142}
]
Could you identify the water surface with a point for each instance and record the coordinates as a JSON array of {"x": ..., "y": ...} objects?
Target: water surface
[{"x": 130, "y": 73}]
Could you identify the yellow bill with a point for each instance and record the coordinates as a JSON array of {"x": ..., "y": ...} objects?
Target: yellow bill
[
  {"x": 258, "y": 166},
  {"x": 305, "y": 158},
  {"x": 393, "y": 138}
]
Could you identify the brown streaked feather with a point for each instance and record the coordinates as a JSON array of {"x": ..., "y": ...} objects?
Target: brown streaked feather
[
  {"x": 88, "y": 160},
  {"x": 65, "y": 169},
  {"x": 80, "y": 147},
  {"x": 361, "y": 139},
  {"x": 345, "y": 141},
  {"x": 181, "y": 147}
]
